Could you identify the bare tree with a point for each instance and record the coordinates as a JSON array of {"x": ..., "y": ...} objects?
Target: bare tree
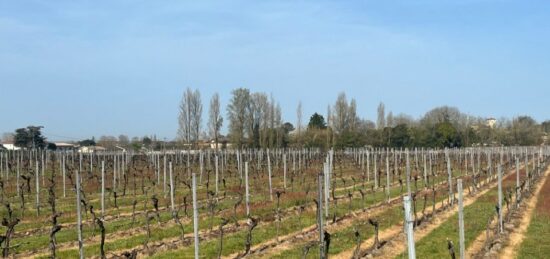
[
  {"x": 352, "y": 115},
  {"x": 340, "y": 116},
  {"x": 389, "y": 119},
  {"x": 216, "y": 120},
  {"x": 190, "y": 116},
  {"x": 238, "y": 112},
  {"x": 381, "y": 121},
  {"x": 278, "y": 125},
  {"x": 299, "y": 121},
  {"x": 329, "y": 125}
]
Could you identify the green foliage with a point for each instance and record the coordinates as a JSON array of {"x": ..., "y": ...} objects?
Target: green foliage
[
  {"x": 30, "y": 137},
  {"x": 51, "y": 146},
  {"x": 350, "y": 139},
  {"x": 525, "y": 132},
  {"x": 87, "y": 142},
  {"x": 317, "y": 121},
  {"x": 288, "y": 127},
  {"x": 147, "y": 141},
  {"x": 400, "y": 136},
  {"x": 446, "y": 135}
]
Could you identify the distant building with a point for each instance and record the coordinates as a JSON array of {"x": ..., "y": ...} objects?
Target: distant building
[
  {"x": 62, "y": 146},
  {"x": 9, "y": 146},
  {"x": 91, "y": 149},
  {"x": 491, "y": 122},
  {"x": 222, "y": 143}
]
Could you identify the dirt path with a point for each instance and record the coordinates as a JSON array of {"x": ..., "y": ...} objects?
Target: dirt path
[
  {"x": 516, "y": 238},
  {"x": 479, "y": 242},
  {"x": 395, "y": 236},
  {"x": 302, "y": 236},
  {"x": 396, "y": 248},
  {"x": 310, "y": 232}
]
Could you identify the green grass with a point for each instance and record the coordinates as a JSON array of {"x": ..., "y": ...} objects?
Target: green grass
[
  {"x": 476, "y": 216},
  {"x": 535, "y": 244}
]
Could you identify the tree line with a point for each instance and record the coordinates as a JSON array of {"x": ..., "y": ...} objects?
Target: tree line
[{"x": 255, "y": 120}]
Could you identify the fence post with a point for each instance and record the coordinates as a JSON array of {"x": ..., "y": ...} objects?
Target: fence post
[
  {"x": 173, "y": 206},
  {"x": 460, "y": 217},
  {"x": 195, "y": 217},
  {"x": 409, "y": 226},
  {"x": 269, "y": 176},
  {"x": 246, "y": 188},
  {"x": 217, "y": 173},
  {"x": 320, "y": 180},
  {"x": 387, "y": 177},
  {"x": 103, "y": 188},
  {"x": 284, "y": 170},
  {"x": 79, "y": 216},
  {"x": 500, "y": 199}
]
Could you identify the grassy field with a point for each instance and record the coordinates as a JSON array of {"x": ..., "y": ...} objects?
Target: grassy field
[{"x": 535, "y": 244}]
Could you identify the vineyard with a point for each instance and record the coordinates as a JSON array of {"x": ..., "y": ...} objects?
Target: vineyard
[{"x": 280, "y": 203}]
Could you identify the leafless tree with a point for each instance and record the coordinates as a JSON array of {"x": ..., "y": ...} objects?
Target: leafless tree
[
  {"x": 389, "y": 120},
  {"x": 238, "y": 112},
  {"x": 352, "y": 115},
  {"x": 381, "y": 121},
  {"x": 190, "y": 116},
  {"x": 216, "y": 120},
  {"x": 340, "y": 116},
  {"x": 299, "y": 121}
]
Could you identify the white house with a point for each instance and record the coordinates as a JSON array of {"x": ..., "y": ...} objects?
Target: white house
[
  {"x": 10, "y": 146},
  {"x": 61, "y": 146},
  {"x": 491, "y": 122},
  {"x": 91, "y": 149}
]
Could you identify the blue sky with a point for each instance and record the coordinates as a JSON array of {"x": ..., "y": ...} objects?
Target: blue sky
[{"x": 91, "y": 68}]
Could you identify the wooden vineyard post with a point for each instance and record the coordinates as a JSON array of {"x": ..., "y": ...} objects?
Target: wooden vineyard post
[
  {"x": 158, "y": 169},
  {"x": 375, "y": 158},
  {"x": 195, "y": 217},
  {"x": 247, "y": 195},
  {"x": 18, "y": 175},
  {"x": 450, "y": 175},
  {"x": 368, "y": 166},
  {"x": 64, "y": 174},
  {"x": 408, "y": 169},
  {"x": 269, "y": 176},
  {"x": 114, "y": 172},
  {"x": 37, "y": 189},
  {"x": 102, "y": 188},
  {"x": 460, "y": 217},
  {"x": 517, "y": 183},
  {"x": 326, "y": 182},
  {"x": 172, "y": 205},
  {"x": 201, "y": 161},
  {"x": 164, "y": 177},
  {"x": 79, "y": 216},
  {"x": 500, "y": 199},
  {"x": 387, "y": 178},
  {"x": 528, "y": 182},
  {"x": 320, "y": 180},
  {"x": 409, "y": 222},
  {"x": 425, "y": 169},
  {"x": 217, "y": 172},
  {"x": 284, "y": 170}
]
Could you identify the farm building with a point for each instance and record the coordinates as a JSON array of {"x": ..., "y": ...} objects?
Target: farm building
[
  {"x": 491, "y": 122},
  {"x": 9, "y": 146},
  {"x": 222, "y": 143},
  {"x": 62, "y": 146},
  {"x": 91, "y": 149}
]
